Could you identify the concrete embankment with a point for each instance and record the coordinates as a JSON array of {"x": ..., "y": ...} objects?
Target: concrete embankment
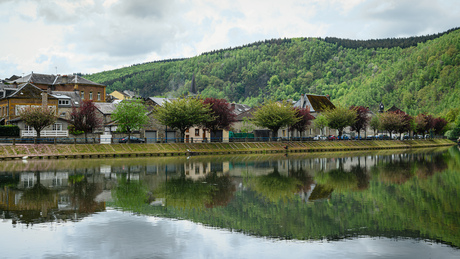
[{"x": 47, "y": 151}]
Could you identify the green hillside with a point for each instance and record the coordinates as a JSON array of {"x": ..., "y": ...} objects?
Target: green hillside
[{"x": 417, "y": 74}]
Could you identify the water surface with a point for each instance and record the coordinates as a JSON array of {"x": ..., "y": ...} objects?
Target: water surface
[{"x": 398, "y": 204}]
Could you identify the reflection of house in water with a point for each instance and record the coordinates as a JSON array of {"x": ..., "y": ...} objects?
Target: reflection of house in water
[
  {"x": 47, "y": 179},
  {"x": 196, "y": 170}
]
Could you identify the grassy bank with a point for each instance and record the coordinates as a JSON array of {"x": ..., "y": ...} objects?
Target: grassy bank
[{"x": 50, "y": 151}]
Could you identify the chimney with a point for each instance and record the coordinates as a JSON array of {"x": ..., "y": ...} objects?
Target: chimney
[
  {"x": 44, "y": 99},
  {"x": 302, "y": 101},
  {"x": 328, "y": 97},
  {"x": 232, "y": 108}
]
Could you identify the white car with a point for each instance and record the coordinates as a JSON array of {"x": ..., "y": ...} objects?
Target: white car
[{"x": 319, "y": 137}]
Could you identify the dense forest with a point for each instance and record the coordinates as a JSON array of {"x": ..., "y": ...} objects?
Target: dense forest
[{"x": 417, "y": 74}]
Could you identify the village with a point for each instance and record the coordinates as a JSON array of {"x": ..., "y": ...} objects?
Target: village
[{"x": 62, "y": 93}]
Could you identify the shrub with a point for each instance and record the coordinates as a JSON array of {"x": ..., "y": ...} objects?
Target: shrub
[{"x": 9, "y": 131}]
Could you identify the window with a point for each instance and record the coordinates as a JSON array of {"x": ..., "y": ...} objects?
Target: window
[
  {"x": 82, "y": 95},
  {"x": 64, "y": 102},
  {"x": 98, "y": 96},
  {"x": 91, "y": 95},
  {"x": 197, "y": 132},
  {"x": 57, "y": 127}
]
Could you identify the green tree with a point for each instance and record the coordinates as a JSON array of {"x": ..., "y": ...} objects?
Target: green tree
[
  {"x": 38, "y": 117},
  {"x": 183, "y": 113},
  {"x": 274, "y": 115},
  {"x": 374, "y": 123},
  {"x": 339, "y": 118},
  {"x": 130, "y": 115},
  {"x": 391, "y": 122},
  {"x": 320, "y": 123}
]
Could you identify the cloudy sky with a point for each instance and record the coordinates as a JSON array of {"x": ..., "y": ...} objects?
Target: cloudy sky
[{"x": 88, "y": 36}]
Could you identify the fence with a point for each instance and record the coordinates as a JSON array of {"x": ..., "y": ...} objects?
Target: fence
[{"x": 45, "y": 133}]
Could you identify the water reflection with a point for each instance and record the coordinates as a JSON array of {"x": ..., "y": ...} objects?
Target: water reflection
[{"x": 314, "y": 197}]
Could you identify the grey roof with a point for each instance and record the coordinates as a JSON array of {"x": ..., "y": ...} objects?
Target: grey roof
[
  {"x": 239, "y": 108},
  {"x": 74, "y": 97},
  {"x": 53, "y": 79},
  {"x": 105, "y": 108},
  {"x": 160, "y": 101}
]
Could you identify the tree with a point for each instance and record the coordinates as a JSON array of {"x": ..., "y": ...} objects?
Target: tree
[
  {"x": 183, "y": 113},
  {"x": 420, "y": 124},
  {"x": 320, "y": 123},
  {"x": 38, "y": 117},
  {"x": 340, "y": 118},
  {"x": 223, "y": 116},
  {"x": 390, "y": 122},
  {"x": 439, "y": 125},
  {"x": 130, "y": 115},
  {"x": 305, "y": 119},
  {"x": 274, "y": 115},
  {"x": 362, "y": 120},
  {"x": 84, "y": 118},
  {"x": 374, "y": 123}
]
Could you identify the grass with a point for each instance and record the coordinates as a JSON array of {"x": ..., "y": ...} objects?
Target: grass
[{"x": 43, "y": 150}]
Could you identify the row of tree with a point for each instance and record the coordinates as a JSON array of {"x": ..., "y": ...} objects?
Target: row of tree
[{"x": 214, "y": 114}]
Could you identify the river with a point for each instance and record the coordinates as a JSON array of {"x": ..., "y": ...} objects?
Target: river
[{"x": 385, "y": 204}]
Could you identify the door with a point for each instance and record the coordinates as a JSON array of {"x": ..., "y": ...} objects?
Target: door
[{"x": 151, "y": 136}]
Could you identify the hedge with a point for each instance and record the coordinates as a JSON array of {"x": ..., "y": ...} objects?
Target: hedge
[{"x": 9, "y": 131}]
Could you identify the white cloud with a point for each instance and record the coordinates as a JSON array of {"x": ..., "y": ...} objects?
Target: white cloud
[{"x": 95, "y": 35}]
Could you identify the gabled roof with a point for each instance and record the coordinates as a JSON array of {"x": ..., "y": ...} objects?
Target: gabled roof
[
  {"x": 237, "y": 108},
  {"x": 53, "y": 79},
  {"x": 317, "y": 103},
  {"x": 247, "y": 114},
  {"x": 395, "y": 109},
  {"x": 160, "y": 101},
  {"x": 28, "y": 91},
  {"x": 106, "y": 108}
]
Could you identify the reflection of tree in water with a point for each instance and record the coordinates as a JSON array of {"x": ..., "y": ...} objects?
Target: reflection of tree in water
[
  {"x": 39, "y": 197},
  {"x": 223, "y": 193},
  {"x": 340, "y": 180},
  {"x": 275, "y": 187},
  {"x": 83, "y": 193},
  {"x": 129, "y": 194},
  {"x": 400, "y": 168},
  {"x": 210, "y": 191}
]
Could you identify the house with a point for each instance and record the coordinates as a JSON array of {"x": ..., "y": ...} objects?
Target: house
[
  {"x": 123, "y": 95},
  {"x": 14, "y": 99},
  {"x": 154, "y": 131},
  {"x": 200, "y": 134},
  {"x": 87, "y": 89},
  {"x": 104, "y": 112},
  {"x": 26, "y": 95}
]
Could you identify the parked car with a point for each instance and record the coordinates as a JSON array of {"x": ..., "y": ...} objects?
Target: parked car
[
  {"x": 344, "y": 137},
  {"x": 132, "y": 139},
  {"x": 331, "y": 137},
  {"x": 358, "y": 137},
  {"x": 319, "y": 137}
]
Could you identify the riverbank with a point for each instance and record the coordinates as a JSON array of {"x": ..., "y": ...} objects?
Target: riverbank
[{"x": 50, "y": 151}]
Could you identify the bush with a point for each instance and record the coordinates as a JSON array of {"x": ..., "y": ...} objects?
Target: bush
[
  {"x": 9, "y": 131},
  {"x": 73, "y": 131}
]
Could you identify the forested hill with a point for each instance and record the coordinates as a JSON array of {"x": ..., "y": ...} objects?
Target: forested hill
[{"x": 420, "y": 78}]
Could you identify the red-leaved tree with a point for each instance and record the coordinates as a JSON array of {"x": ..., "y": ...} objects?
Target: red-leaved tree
[
  {"x": 305, "y": 120},
  {"x": 84, "y": 118},
  {"x": 362, "y": 119},
  {"x": 224, "y": 117}
]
